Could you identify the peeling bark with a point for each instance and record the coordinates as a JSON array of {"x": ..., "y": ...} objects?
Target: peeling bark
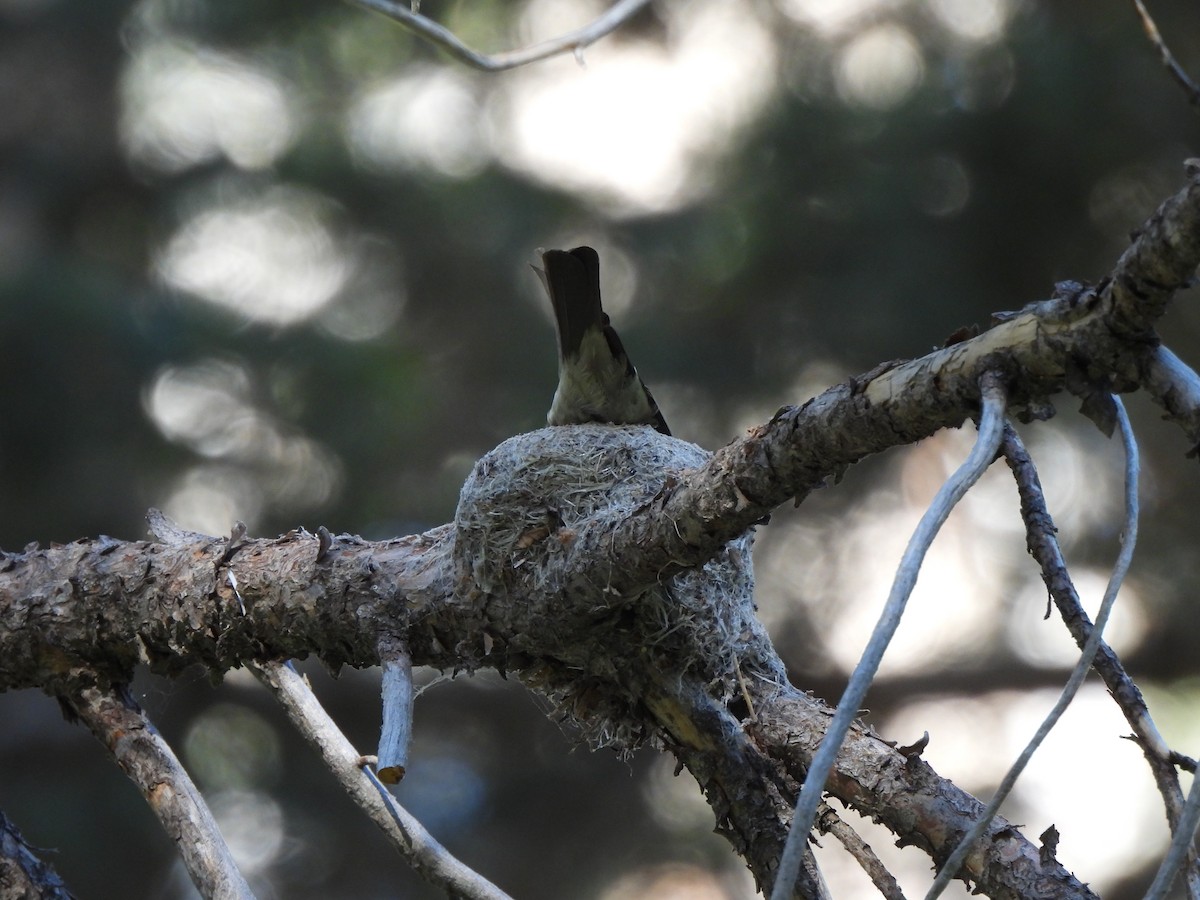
[{"x": 609, "y": 569}]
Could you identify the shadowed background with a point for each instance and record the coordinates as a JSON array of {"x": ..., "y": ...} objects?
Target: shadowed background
[{"x": 268, "y": 261}]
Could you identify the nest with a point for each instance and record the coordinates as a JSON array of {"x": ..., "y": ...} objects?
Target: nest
[{"x": 594, "y": 655}]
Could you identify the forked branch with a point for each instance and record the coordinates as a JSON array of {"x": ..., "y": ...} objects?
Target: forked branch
[
  {"x": 423, "y": 852},
  {"x": 603, "y": 612}
]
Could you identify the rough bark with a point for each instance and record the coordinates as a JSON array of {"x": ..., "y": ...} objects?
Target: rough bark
[
  {"x": 22, "y": 875},
  {"x": 609, "y": 568},
  {"x": 136, "y": 746}
]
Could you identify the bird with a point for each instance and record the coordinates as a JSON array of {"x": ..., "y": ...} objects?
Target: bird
[{"x": 596, "y": 380}]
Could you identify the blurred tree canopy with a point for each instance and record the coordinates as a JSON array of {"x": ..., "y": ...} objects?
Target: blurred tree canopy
[{"x": 268, "y": 261}]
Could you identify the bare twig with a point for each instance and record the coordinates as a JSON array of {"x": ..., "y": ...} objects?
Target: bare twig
[
  {"x": 397, "y": 691},
  {"x": 1078, "y": 674},
  {"x": 418, "y": 846},
  {"x": 573, "y": 41},
  {"x": 1181, "y": 845},
  {"x": 1175, "y": 386},
  {"x": 100, "y": 602},
  {"x": 829, "y": 821},
  {"x": 991, "y": 426},
  {"x": 1168, "y": 59},
  {"x": 137, "y": 747},
  {"x": 1043, "y": 546}
]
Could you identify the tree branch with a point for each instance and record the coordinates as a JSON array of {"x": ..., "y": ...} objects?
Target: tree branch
[
  {"x": 1176, "y": 388},
  {"x": 1181, "y": 848},
  {"x": 22, "y": 874},
  {"x": 422, "y": 851},
  {"x": 983, "y": 453},
  {"x": 1082, "y": 666},
  {"x": 1040, "y": 536},
  {"x": 609, "y": 568},
  {"x": 397, "y": 694},
  {"x": 904, "y": 794},
  {"x": 1170, "y": 63},
  {"x": 828, "y": 821},
  {"x": 574, "y": 41},
  {"x": 137, "y": 747},
  {"x": 1092, "y": 341}
]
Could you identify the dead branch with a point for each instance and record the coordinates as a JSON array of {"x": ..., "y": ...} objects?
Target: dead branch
[
  {"x": 22, "y": 874},
  {"x": 145, "y": 757},
  {"x": 609, "y": 568},
  {"x": 830, "y": 822},
  {"x": 1170, "y": 63},
  {"x": 1093, "y": 341},
  {"x": 572, "y": 42},
  {"x": 407, "y": 835},
  {"x": 1042, "y": 540},
  {"x": 1078, "y": 673},
  {"x": 991, "y": 426}
]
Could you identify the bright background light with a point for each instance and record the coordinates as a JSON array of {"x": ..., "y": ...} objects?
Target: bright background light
[{"x": 301, "y": 238}]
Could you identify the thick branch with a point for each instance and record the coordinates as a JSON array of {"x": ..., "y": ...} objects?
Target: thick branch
[
  {"x": 1093, "y": 341},
  {"x": 609, "y": 568},
  {"x": 146, "y": 758},
  {"x": 108, "y": 605},
  {"x": 906, "y": 795}
]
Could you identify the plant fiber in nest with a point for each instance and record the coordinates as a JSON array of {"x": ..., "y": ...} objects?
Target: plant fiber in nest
[{"x": 593, "y": 652}]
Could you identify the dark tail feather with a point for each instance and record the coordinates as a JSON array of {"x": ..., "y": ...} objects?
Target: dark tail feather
[{"x": 572, "y": 279}]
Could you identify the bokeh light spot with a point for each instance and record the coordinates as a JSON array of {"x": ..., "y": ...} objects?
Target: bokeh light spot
[
  {"x": 942, "y": 186},
  {"x": 428, "y": 118},
  {"x": 1044, "y": 643},
  {"x": 270, "y": 257},
  {"x": 231, "y": 747},
  {"x": 444, "y": 791},
  {"x": 209, "y": 499},
  {"x": 880, "y": 68},
  {"x": 832, "y": 17},
  {"x": 208, "y": 407},
  {"x": 182, "y": 106},
  {"x": 253, "y": 825},
  {"x": 973, "y": 20},
  {"x": 634, "y": 130}
]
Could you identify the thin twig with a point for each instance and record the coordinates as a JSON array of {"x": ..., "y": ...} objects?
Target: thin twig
[
  {"x": 1082, "y": 666},
  {"x": 1168, "y": 59},
  {"x": 429, "y": 858},
  {"x": 1174, "y": 386},
  {"x": 1181, "y": 844},
  {"x": 1043, "y": 546},
  {"x": 571, "y": 42},
  {"x": 737, "y": 670},
  {"x": 884, "y": 881},
  {"x": 135, "y": 744},
  {"x": 991, "y": 425}
]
